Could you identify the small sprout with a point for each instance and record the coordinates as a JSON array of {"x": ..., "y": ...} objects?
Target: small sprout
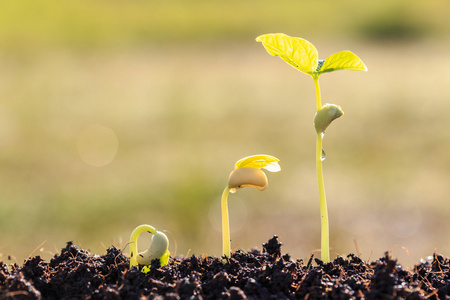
[
  {"x": 327, "y": 114},
  {"x": 247, "y": 173},
  {"x": 303, "y": 56},
  {"x": 158, "y": 248}
]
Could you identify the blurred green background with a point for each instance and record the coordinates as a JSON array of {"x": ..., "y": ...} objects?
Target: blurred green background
[{"x": 120, "y": 113}]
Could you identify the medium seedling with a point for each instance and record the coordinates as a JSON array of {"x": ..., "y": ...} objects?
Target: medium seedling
[
  {"x": 158, "y": 248},
  {"x": 247, "y": 172},
  {"x": 303, "y": 56}
]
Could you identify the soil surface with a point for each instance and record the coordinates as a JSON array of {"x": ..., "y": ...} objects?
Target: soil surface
[{"x": 267, "y": 274}]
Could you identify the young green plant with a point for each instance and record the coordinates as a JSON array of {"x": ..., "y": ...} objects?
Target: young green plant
[
  {"x": 303, "y": 56},
  {"x": 158, "y": 248},
  {"x": 247, "y": 172}
]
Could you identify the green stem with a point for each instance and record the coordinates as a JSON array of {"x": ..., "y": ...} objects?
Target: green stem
[
  {"x": 133, "y": 241},
  {"x": 226, "y": 242},
  {"x": 325, "y": 239},
  {"x": 325, "y": 236},
  {"x": 317, "y": 87}
]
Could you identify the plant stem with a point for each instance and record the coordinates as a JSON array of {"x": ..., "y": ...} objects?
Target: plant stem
[
  {"x": 325, "y": 238},
  {"x": 226, "y": 241},
  {"x": 318, "y": 98}
]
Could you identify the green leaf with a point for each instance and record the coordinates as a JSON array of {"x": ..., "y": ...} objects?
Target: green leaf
[
  {"x": 344, "y": 60},
  {"x": 264, "y": 161},
  {"x": 297, "y": 52}
]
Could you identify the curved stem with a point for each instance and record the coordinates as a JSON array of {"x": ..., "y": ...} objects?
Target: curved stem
[
  {"x": 226, "y": 242},
  {"x": 325, "y": 235},
  {"x": 133, "y": 241}
]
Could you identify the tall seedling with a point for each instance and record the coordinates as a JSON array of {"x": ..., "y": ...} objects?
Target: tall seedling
[{"x": 303, "y": 56}]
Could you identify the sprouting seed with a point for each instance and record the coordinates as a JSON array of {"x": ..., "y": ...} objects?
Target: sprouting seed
[
  {"x": 247, "y": 173},
  {"x": 158, "y": 248}
]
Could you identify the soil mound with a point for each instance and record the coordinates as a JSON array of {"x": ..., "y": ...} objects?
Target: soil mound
[{"x": 266, "y": 274}]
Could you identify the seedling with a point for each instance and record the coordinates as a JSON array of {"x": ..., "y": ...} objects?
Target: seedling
[
  {"x": 247, "y": 172},
  {"x": 158, "y": 248},
  {"x": 303, "y": 56}
]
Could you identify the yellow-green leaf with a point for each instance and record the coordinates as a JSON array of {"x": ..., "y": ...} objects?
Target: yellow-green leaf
[
  {"x": 344, "y": 60},
  {"x": 297, "y": 52},
  {"x": 267, "y": 162}
]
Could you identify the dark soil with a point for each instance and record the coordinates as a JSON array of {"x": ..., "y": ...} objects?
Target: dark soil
[{"x": 267, "y": 274}]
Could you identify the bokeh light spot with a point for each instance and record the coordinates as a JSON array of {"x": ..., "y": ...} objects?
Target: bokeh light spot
[{"x": 97, "y": 145}]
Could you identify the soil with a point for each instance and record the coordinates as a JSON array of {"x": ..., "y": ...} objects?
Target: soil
[{"x": 266, "y": 274}]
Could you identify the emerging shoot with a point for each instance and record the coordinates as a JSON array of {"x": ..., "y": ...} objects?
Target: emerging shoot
[
  {"x": 303, "y": 56},
  {"x": 158, "y": 248},
  {"x": 247, "y": 172}
]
